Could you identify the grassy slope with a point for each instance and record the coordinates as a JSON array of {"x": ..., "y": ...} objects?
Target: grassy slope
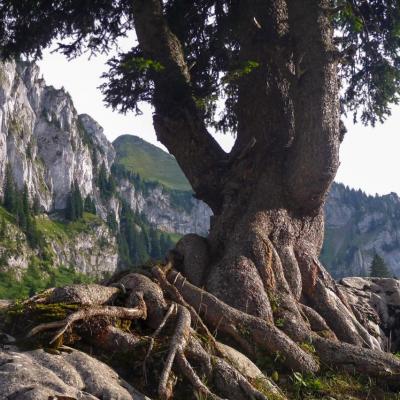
[
  {"x": 150, "y": 162},
  {"x": 41, "y": 273}
]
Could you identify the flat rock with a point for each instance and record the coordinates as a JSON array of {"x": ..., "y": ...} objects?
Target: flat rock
[
  {"x": 37, "y": 375},
  {"x": 376, "y": 302}
]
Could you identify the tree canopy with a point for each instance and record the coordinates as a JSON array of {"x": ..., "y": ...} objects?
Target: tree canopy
[
  {"x": 379, "y": 268},
  {"x": 210, "y": 32}
]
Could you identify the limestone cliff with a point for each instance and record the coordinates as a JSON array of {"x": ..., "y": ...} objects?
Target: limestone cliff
[
  {"x": 357, "y": 226},
  {"x": 48, "y": 145}
]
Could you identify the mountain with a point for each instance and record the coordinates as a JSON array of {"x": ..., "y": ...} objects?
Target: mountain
[
  {"x": 45, "y": 149},
  {"x": 69, "y": 208},
  {"x": 357, "y": 226},
  {"x": 150, "y": 162},
  {"x": 75, "y": 205}
]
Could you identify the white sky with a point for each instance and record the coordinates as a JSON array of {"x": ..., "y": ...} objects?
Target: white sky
[{"x": 370, "y": 157}]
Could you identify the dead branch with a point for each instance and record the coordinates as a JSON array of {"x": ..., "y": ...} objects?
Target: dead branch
[
  {"x": 178, "y": 343},
  {"x": 86, "y": 313}
]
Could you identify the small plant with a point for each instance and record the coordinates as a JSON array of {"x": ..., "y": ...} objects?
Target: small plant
[
  {"x": 308, "y": 347},
  {"x": 279, "y": 322}
]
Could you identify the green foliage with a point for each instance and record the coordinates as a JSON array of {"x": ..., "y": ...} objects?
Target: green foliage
[
  {"x": 74, "y": 207},
  {"x": 245, "y": 69},
  {"x": 142, "y": 64},
  {"x": 89, "y": 205},
  {"x": 368, "y": 37},
  {"x": 112, "y": 222},
  {"x": 132, "y": 244},
  {"x": 332, "y": 384},
  {"x": 37, "y": 277},
  {"x": 369, "y": 34},
  {"x": 105, "y": 182},
  {"x": 379, "y": 268},
  {"x": 18, "y": 204},
  {"x": 155, "y": 249},
  {"x": 9, "y": 200},
  {"x": 150, "y": 162}
]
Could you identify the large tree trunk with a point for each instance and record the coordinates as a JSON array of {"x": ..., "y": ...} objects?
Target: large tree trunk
[
  {"x": 267, "y": 195},
  {"x": 262, "y": 258}
]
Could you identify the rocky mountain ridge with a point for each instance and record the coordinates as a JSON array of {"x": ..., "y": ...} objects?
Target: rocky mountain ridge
[{"x": 356, "y": 227}]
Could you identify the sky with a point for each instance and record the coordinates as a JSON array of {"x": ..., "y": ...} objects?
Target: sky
[{"x": 369, "y": 157}]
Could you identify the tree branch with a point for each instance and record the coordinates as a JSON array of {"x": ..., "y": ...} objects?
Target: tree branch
[
  {"x": 177, "y": 120},
  {"x": 313, "y": 158}
]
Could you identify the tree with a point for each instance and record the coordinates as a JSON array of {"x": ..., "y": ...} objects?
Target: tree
[
  {"x": 9, "y": 197},
  {"x": 278, "y": 65},
  {"x": 89, "y": 205},
  {"x": 112, "y": 222},
  {"x": 155, "y": 250},
  {"x": 379, "y": 268},
  {"x": 74, "y": 205}
]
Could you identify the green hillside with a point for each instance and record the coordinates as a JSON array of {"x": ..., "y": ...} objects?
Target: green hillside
[{"x": 150, "y": 162}]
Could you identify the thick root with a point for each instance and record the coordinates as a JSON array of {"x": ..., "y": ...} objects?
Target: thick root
[
  {"x": 194, "y": 379},
  {"x": 350, "y": 358},
  {"x": 171, "y": 310},
  {"x": 178, "y": 344},
  {"x": 86, "y": 313},
  {"x": 254, "y": 330}
]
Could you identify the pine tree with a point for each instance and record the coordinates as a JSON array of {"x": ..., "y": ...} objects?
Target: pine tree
[
  {"x": 74, "y": 206},
  {"x": 112, "y": 222},
  {"x": 36, "y": 206},
  {"x": 9, "y": 191},
  {"x": 70, "y": 212},
  {"x": 102, "y": 180},
  {"x": 379, "y": 268},
  {"x": 19, "y": 211},
  {"x": 140, "y": 251},
  {"x": 155, "y": 250},
  {"x": 3, "y": 228},
  {"x": 89, "y": 205},
  {"x": 25, "y": 201},
  {"x": 78, "y": 201},
  {"x": 166, "y": 243}
]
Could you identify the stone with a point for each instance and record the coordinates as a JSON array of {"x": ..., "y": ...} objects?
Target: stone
[
  {"x": 376, "y": 303},
  {"x": 37, "y": 375}
]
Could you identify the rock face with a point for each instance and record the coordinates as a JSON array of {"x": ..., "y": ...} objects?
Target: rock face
[
  {"x": 37, "y": 375},
  {"x": 46, "y": 143},
  {"x": 88, "y": 248},
  {"x": 356, "y": 227},
  {"x": 49, "y": 147},
  {"x": 157, "y": 203},
  {"x": 376, "y": 302}
]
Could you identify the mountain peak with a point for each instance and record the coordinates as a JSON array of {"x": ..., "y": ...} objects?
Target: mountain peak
[{"x": 150, "y": 162}]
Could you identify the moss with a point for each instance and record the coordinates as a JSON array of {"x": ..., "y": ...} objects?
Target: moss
[
  {"x": 244, "y": 331},
  {"x": 21, "y": 317},
  {"x": 308, "y": 347},
  {"x": 262, "y": 386},
  {"x": 332, "y": 384}
]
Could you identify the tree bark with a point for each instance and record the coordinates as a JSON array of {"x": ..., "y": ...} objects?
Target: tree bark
[{"x": 261, "y": 256}]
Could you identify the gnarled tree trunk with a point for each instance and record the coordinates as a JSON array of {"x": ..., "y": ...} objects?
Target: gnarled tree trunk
[{"x": 267, "y": 194}]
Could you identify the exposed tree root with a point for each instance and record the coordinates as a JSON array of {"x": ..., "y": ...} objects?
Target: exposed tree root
[
  {"x": 86, "y": 313},
  {"x": 171, "y": 309},
  {"x": 178, "y": 344},
  {"x": 194, "y": 379},
  {"x": 372, "y": 363},
  {"x": 255, "y": 331},
  {"x": 193, "y": 312}
]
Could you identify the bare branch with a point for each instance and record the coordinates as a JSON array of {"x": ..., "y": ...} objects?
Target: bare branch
[
  {"x": 86, "y": 313},
  {"x": 177, "y": 120}
]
